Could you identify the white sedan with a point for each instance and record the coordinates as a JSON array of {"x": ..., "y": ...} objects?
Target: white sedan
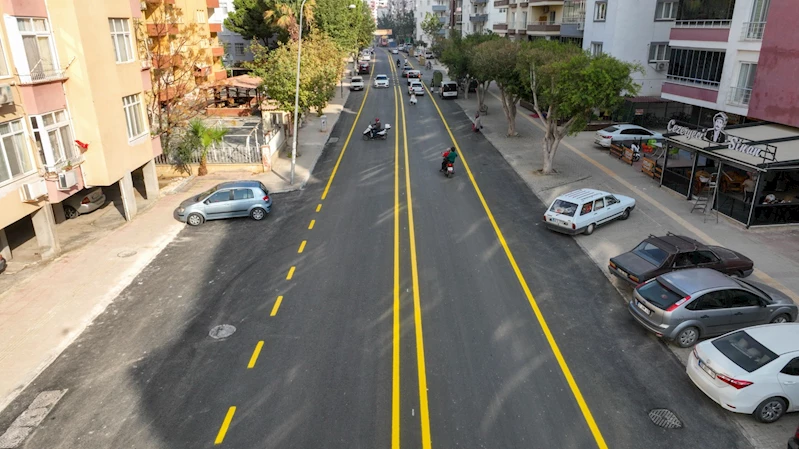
[
  {"x": 394, "y": 51},
  {"x": 381, "y": 81},
  {"x": 416, "y": 88},
  {"x": 624, "y": 133},
  {"x": 356, "y": 83},
  {"x": 752, "y": 371}
]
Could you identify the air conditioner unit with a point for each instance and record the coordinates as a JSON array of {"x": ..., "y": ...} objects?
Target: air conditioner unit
[
  {"x": 67, "y": 180},
  {"x": 545, "y": 9},
  {"x": 143, "y": 6},
  {"x": 6, "y": 97},
  {"x": 661, "y": 66},
  {"x": 32, "y": 191}
]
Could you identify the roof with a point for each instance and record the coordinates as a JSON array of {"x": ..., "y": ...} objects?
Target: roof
[
  {"x": 779, "y": 338},
  {"x": 693, "y": 280},
  {"x": 583, "y": 194},
  {"x": 241, "y": 81}
]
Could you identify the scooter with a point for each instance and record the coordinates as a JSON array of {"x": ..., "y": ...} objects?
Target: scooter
[
  {"x": 449, "y": 170},
  {"x": 382, "y": 134}
]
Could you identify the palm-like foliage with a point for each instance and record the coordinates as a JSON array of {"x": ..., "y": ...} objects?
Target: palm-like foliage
[
  {"x": 285, "y": 16},
  {"x": 205, "y": 136}
]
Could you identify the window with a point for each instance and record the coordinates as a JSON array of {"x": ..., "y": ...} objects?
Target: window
[
  {"x": 658, "y": 51},
  {"x": 696, "y": 66},
  {"x": 666, "y": 10},
  {"x": 599, "y": 204},
  {"x": 600, "y": 11},
  {"x": 200, "y": 16},
  {"x": 563, "y": 207},
  {"x": 53, "y": 136},
  {"x": 238, "y": 47},
  {"x": 741, "y": 298},
  {"x": 120, "y": 36},
  {"x": 651, "y": 253},
  {"x": 659, "y": 295},
  {"x": 710, "y": 301},
  {"x": 587, "y": 208},
  {"x": 792, "y": 368},
  {"x": 611, "y": 200},
  {"x": 220, "y": 196},
  {"x": 742, "y": 91},
  {"x": 133, "y": 116},
  {"x": 39, "y": 52},
  {"x": 744, "y": 351},
  {"x": 243, "y": 194},
  {"x": 596, "y": 48},
  {"x": 15, "y": 156},
  {"x": 3, "y": 63}
]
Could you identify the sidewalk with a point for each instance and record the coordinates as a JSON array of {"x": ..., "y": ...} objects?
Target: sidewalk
[
  {"x": 582, "y": 165},
  {"x": 41, "y": 315}
]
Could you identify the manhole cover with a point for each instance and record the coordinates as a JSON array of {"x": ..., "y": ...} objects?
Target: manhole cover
[
  {"x": 333, "y": 139},
  {"x": 222, "y": 331},
  {"x": 665, "y": 418},
  {"x": 126, "y": 254}
]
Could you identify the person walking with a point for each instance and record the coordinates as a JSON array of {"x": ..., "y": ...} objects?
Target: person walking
[
  {"x": 413, "y": 98},
  {"x": 478, "y": 123}
]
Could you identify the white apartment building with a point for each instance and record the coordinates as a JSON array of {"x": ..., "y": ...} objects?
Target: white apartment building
[
  {"x": 439, "y": 8},
  {"x": 237, "y": 48}
]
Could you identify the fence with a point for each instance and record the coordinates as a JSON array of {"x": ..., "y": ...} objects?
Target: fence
[{"x": 241, "y": 144}]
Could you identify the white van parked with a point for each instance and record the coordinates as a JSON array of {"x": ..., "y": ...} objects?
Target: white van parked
[{"x": 581, "y": 211}]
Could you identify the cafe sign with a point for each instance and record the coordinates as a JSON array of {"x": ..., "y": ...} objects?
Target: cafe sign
[{"x": 717, "y": 135}]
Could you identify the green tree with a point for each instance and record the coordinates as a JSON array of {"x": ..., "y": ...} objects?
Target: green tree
[
  {"x": 286, "y": 15},
  {"x": 431, "y": 26},
  {"x": 205, "y": 136},
  {"x": 568, "y": 85},
  {"x": 457, "y": 55},
  {"x": 248, "y": 20},
  {"x": 401, "y": 23},
  {"x": 366, "y": 25},
  {"x": 495, "y": 60}
]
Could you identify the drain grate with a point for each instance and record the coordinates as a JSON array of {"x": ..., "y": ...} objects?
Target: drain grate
[
  {"x": 222, "y": 331},
  {"x": 332, "y": 140},
  {"x": 665, "y": 418}
]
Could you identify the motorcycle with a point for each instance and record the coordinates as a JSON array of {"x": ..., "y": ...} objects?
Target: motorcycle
[
  {"x": 382, "y": 134},
  {"x": 448, "y": 169}
]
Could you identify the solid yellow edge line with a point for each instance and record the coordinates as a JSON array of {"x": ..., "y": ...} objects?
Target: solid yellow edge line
[
  {"x": 276, "y": 306},
  {"x": 291, "y": 273},
  {"x": 578, "y": 396},
  {"x": 349, "y": 136},
  {"x": 424, "y": 413},
  {"x": 302, "y": 247},
  {"x": 220, "y": 437},
  {"x": 395, "y": 384},
  {"x": 255, "y": 353},
  {"x": 310, "y": 226}
]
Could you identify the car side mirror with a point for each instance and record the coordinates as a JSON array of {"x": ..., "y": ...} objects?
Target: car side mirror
[{"x": 207, "y": 202}]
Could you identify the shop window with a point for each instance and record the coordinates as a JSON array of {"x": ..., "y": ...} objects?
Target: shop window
[
  {"x": 15, "y": 155},
  {"x": 53, "y": 135}
]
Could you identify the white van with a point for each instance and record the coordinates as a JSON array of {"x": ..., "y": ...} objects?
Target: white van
[
  {"x": 581, "y": 211},
  {"x": 449, "y": 89}
]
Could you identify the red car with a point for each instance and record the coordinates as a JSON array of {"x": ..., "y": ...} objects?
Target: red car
[{"x": 363, "y": 68}]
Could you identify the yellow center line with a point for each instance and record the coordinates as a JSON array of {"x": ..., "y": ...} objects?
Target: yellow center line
[
  {"x": 319, "y": 207},
  {"x": 291, "y": 273},
  {"x": 310, "y": 226},
  {"x": 395, "y": 384},
  {"x": 587, "y": 415},
  {"x": 255, "y": 353},
  {"x": 276, "y": 306},
  {"x": 424, "y": 413},
  {"x": 302, "y": 247},
  {"x": 220, "y": 437}
]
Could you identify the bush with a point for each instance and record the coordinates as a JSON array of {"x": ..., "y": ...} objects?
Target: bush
[{"x": 437, "y": 78}]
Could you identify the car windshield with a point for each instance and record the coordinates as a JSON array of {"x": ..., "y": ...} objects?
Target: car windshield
[
  {"x": 611, "y": 129},
  {"x": 744, "y": 350},
  {"x": 206, "y": 194},
  {"x": 658, "y": 295},
  {"x": 357, "y": 79},
  {"x": 563, "y": 207},
  {"x": 651, "y": 253},
  {"x": 382, "y": 77}
]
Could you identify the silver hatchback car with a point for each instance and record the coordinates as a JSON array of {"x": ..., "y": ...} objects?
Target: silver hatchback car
[
  {"x": 685, "y": 305},
  {"x": 226, "y": 200}
]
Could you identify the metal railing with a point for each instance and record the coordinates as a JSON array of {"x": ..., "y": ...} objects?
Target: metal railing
[
  {"x": 38, "y": 75},
  {"x": 702, "y": 24},
  {"x": 739, "y": 96},
  {"x": 235, "y": 148},
  {"x": 478, "y": 18},
  {"x": 693, "y": 81},
  {"x": 521, "y": 25},
  {"x": 753, "y": 31}
]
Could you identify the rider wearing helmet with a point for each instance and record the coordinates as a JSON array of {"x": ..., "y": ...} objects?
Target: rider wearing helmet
[
  {"x": 449, "y": 156},
  {"x": 376, "y": 127}
]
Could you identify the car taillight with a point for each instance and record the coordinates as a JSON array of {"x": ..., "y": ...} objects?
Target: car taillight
[
  {"x": 797, "y": 433},
  {"x": 266, "y": 198},
  {"x": 678, "y": 303},
  {"x": 612, "y": 264},
  {"x": 633, "y": 278},
  {"x": 735, "y": 383},
  {"x": 85, "y": 200},
  {"x": 574, "y": 226}
]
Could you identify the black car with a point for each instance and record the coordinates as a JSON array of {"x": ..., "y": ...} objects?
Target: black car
[
  {"x": 793, "y": 443},
  {"x": 658, "y": 255}
]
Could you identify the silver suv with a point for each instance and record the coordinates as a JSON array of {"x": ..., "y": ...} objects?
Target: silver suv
[
  {"x": 684, "y": 305},
  {"x": 226, "y": 200}
]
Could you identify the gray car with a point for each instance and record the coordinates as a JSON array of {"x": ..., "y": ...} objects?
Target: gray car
[
  {"x": 684, "y": 305},
  {"x": 226, "y": 200}
]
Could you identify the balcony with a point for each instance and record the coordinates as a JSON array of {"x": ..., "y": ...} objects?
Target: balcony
[
  {"x": 215, "y": 27},
  {"x": 479, "y": 18},
  {"x": 701, "y": 30},
  {"x": 458, "y": 18},
  {"x": 440, "y": 8},
  {"x": 521, "y": 27},
  {"x": 217, "y": 51},
  {"x": 500, "y": 3},
  {"x": 524, "y": 4},
  {"x": 479, "y": 2},
  {"x": 39, "y": 75},
  {"x": 158, "y": 2},
  {"x": 500, "y": 27},
  {"x": 212, "y": 3},
  {"x": 512, "y": 3},
  {"x": 543, "y": 28},
  {"x": 753, "y": 31},
  {"x": 739, "y": 96},
  {"x": 164, "y": 61},
  {"x": 161, "y": 29}
]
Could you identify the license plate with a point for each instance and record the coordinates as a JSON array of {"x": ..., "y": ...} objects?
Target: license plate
[
  {"x": 707, "y": 369},
  {"x": 450, "y": 169},
  {"x": 643, "y": 308},
  {"x": 622, "y": 272}
]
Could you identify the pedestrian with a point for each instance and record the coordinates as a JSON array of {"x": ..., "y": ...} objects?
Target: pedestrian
[
  {"x": 413, "y": 98},
  {"x": 749, "y": 188},
  {"x": 478, "y": 123}
]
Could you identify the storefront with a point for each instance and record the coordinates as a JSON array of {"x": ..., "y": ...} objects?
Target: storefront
[{"x": 754, "y": 168}]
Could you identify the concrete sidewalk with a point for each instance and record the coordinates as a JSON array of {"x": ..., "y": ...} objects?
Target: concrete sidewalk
[{"x": 41, "y": 315}]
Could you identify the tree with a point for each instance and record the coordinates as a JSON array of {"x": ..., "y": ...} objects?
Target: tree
[
  {"x": 567, "y": 85},
  {"x": 458, "y": 56},
  {"x": 495, "y": 60},
  {"x": 285, "y": 16},
  {"x": 401, "y": 23},
  {"x": 248, "y": 20},
  {"x": 205, "y": 136},
  {"x": 431, "y": 25},
  {"x": 350, "y": 28}
]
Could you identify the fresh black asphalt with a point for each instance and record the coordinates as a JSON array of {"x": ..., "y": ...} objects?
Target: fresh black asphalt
[{"x": 147, "y": 375}]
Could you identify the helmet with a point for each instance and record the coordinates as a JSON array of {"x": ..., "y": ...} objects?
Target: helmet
[
  {"x": 770, "y": 198},
  {"x": 377, "y": 120}
]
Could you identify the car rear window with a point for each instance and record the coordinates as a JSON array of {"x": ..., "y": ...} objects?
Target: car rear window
[
  {"x": 651, "y": 253},
  {"x": 744, "y": 350},
  {"x": 449, "y": 87},
  {"x": 563, "y": 207},
  {"x": 658, "y": 295},
  {"x": 611, "y": 129}
]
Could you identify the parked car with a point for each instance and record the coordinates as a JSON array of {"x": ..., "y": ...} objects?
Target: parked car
[
  {"x": 226, "y": 200},
  {"x": 428, "y": 55},
  {"x": 83, "y": 202},
  {"x": 381, "y": 81},
  {"x": 413, "y": 74},
  {"x": 624, "y": 133},
  {"x": 581, "y": 211},
  {"x": 685, "y": 305},
  {"x": 793, "y": 443},
  {"x": 3, "y": 263},
  {"x": 356, "y": 83},
  {"x": 394, "y": 51},
  {"x": 751, "y": 371},
  {"x": 363, "y": 68},
  {"x": 449, "y": 89},
  {"x": 658, "y": 255},
  {"x": 416, "y": 87}
]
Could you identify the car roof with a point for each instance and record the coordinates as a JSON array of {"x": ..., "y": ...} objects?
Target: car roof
[
  {"x": 449, "y": 82},
  {"x": 628, "y": 126},
  {"x": 381, "y": 76},
  {"x": 357, "y": 78},
  {"x": 675, "y": 243},
  {"x": 231, "y": 184},
  {"x": 779, "y": 338},
  {"x": 583, "y": 194},
  {"x": 693, "y": 280}
]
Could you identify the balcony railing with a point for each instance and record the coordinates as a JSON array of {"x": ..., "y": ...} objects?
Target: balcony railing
[
  {"x": 478, "y": 17},
  {"x": 693, "y": 81},
  {"x": 38, "y": 75},
  {"x": 753, "y": 31},
  {"x": 512, "y": 3},
  {"x": 479, "y": 2},
  {"x": 739, "y": 96},
  {"x": 439, "y": 8},
  {"x": 545, "y": 27},
  {"x": 500, "y": 3},
  {"x": 702, "y": 24},
  {"x": 521, "y": 27},
  {"x": 500, "y": 27}
]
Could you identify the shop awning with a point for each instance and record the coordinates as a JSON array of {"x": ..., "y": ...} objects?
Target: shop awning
[{"x": 241, "y": 81}]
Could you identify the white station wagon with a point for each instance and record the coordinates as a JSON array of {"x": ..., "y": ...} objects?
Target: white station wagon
[{"x": 581, "y": 211}]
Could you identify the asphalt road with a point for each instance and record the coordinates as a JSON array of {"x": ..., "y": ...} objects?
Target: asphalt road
[{"x": 377, "y": 304}]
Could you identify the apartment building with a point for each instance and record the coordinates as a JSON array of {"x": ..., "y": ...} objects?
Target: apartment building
[
  {"x": 236, "y": 47},
  {"x": 439, "y": 8},
  {"x": 71, "y": 112}
]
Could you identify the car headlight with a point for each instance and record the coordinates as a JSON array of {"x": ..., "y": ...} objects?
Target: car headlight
[{"x": 181, "y": 210}]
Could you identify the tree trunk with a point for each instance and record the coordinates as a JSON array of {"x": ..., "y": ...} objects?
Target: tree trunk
[
  {"x": 551, "y": 142},
  {"x": 203, "y": 169},
  {"x": 509, "y": 106}
]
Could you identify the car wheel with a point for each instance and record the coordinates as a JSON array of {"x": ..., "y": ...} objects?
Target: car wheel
[
  {"x": 687, "y": 337},
  {"x": 195, "y": 219},
  {"x": 70, "y": 212},
  {"x": 258, "y": 214},
  {"x": 626, "y": 214},
  {"x": 781, "y": 318},
  {"x": 770, "y": 410},
  {"x": 590, "y": 229}
]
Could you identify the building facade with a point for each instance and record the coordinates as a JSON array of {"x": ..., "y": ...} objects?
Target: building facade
[{"x": 237, "y": 48}]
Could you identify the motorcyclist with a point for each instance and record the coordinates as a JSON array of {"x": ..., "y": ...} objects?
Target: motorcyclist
[
  {"x": 398, "y": 62},
  {"x": 449, "y": 156},
  {"x": 376, "y": 127}
]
